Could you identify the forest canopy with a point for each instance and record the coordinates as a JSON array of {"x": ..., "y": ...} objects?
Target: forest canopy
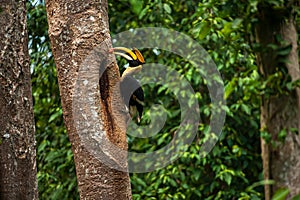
[{"x": 226, "y": 30}]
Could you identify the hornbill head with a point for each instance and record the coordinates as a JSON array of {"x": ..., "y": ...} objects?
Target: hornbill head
[{"x": 134, "y": 58}]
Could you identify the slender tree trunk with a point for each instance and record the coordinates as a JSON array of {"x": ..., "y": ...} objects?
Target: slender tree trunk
[
  {"x": 76, "y": 28},
  {"x": 17, "y": 140},
  {"x": 279, "y": 111}
]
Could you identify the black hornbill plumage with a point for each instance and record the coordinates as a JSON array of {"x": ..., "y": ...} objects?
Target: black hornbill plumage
[{"x": 131, "y": 91}]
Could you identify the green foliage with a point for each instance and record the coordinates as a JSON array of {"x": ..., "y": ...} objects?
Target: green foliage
[
  {"x": 282, "y": 193},
  {"x": 234, "y": 164},
  {"x": 232, "y": 170},
  {"x": 297, "y": 197}
]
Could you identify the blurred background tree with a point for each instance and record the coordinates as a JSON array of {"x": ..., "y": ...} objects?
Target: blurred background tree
[
  {"x": 56, "y": 169},
  {"x": 233, "y": 169}
]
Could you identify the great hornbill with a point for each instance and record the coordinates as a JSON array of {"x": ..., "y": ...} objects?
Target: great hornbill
[{"x": 131, "y": 91}]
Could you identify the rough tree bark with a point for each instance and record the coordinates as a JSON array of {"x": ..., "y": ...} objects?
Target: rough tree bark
[
  {"x": 17, "y": 140},
  {"x": 75, "y": 29},
  {"x": 281, "y": 160}
]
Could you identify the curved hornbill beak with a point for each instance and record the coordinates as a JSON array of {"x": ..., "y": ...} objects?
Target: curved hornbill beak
[{"x": 133, "y": 56}]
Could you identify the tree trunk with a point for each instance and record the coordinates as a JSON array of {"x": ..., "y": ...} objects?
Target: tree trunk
[
  {"x": 17, "y": 139},
  {"x": 279, "y": 111},
  {"x": 80, "y": 41}
]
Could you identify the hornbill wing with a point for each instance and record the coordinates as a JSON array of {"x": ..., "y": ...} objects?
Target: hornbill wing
[
  {"x": 132, "y": 93},
  {"x": 137, "y": 99}
]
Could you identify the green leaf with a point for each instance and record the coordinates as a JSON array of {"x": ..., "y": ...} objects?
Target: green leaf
[
  {"x": 266, "y": 136},
  {"x": 227, "y": 28},
  {"x": 246, "y": 109},
  {"x": 230, "y": 87},
  {"x": 236, "y": 23},
  {"x": 297, "y": 197},
  {"x": 228, "y": 178},
  {"x": 173, "y": 183},
  {"x": 204, "y": 30},
  {"x": 143, "y": 12},
  {"x": 290, "y": 86},
  {"x": 282, "y": 135},
  {"x": 167, "y": 8},
  {"x": 294, "y": 130},
  {"x": 281, "y": 194},
  {"x": 137, "y": 6},
  {"x": 296, "y": 83},
  {"x": 285, "y": 50},
  {"x": 140, "y": 182},
  {"x": 55, "y": 115}
]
